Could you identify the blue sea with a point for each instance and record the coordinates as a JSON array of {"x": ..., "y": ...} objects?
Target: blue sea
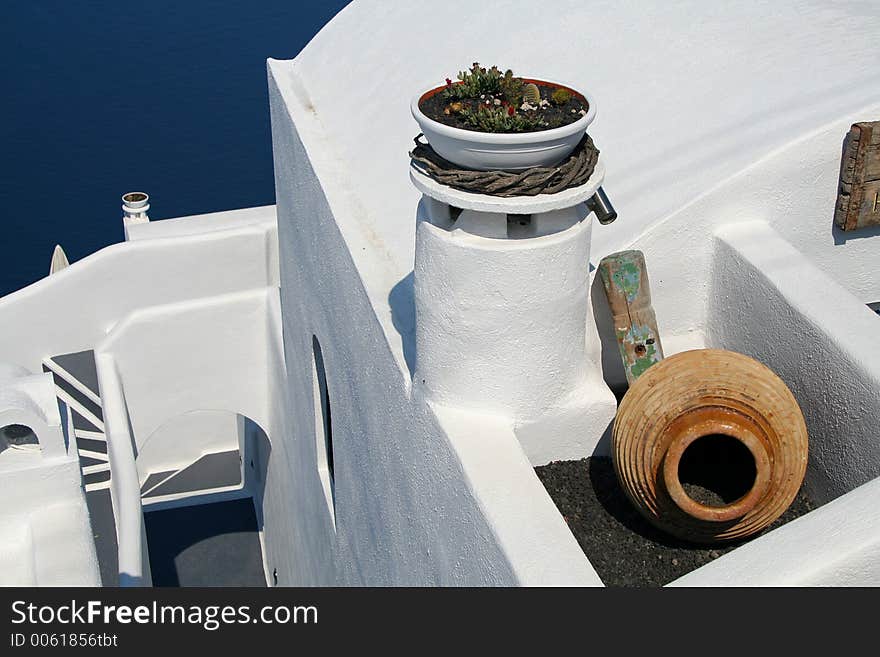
[{"x": 109, "y": 96}]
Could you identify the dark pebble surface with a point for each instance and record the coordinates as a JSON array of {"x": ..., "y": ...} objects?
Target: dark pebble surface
[{"x": 624, "y": 548}]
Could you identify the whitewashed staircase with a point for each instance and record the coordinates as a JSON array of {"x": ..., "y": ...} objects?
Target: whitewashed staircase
[{"x": 76, "y": 384}]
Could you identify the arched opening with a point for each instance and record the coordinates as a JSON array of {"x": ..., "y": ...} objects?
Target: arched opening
[
  {"x": 323, "y": 428},
  {"x": 204, "y": 513},
  {"x": 200, "y": 450},
  {"x": 18, "y": 437},
  {"x": 203, "y": 451}
]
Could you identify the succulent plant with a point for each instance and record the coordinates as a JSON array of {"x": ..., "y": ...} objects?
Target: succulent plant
[
  {"x": 502, "y": 118},
  {"x": 479, "y": 81},
  {"x": 531, "y": 94},
  {"x": 511, "y": 87},
  {"x": 561, "y": 96},
  {"x": 491, "y": 101},
  {"x": 476, "y": 82}
]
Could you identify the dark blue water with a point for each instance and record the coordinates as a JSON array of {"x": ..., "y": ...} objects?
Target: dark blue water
[{"x": 103, "y": 97}]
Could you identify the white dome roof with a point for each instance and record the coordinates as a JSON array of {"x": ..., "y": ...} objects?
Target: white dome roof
[{"x": 688, "y": 92}]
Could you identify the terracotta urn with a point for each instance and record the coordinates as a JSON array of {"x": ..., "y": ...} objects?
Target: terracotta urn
[{"x": 725, "y": 413}]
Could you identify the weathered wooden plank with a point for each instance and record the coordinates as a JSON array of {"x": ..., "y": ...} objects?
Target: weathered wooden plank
[
  {"x": 858, "y": 196},
  {"x": 625, "y": 278},
  {"x": 870, "y": 203},
  {"x": 872, "y": 162}
]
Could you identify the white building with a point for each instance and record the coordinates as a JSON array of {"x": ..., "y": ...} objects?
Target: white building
[{"x": 386, "y": 424}]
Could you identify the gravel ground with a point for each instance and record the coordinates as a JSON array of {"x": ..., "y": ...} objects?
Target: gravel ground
[{"x": 623, "y": 547}]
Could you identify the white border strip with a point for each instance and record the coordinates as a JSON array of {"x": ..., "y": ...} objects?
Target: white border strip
[
  {"x": 89, "y": 435},
  {"x": 79, "y": 408},
  {"x": 98, "y": 456},
  {"x": 73, "y": 381},
  {"x": 95, "y": 469}
]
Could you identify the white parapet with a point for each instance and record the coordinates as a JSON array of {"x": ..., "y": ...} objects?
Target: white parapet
[
  {"x": 770, "y": 301},
  {"x": 45, "y": 535},
  {"x": 503, "y": 315},
  {"x": 537, "y": 544},
  {"x": 835, "y": 545},
  {"x": 773, "y": 303}
]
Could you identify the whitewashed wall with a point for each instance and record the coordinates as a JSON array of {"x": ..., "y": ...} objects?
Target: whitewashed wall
[
  {"x": 44, "y": 522},
  {"x": 770, "y": 301},
  {"x": 176, "y": 361},
  {"x": 74, "y": 309},
  {"x": 208, "y": 354}
]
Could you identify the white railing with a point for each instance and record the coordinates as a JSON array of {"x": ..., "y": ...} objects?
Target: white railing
[{"x": 125, "y": 491}]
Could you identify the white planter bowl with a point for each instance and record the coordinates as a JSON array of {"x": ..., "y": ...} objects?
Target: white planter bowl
[{"x": 486, "y": 151}]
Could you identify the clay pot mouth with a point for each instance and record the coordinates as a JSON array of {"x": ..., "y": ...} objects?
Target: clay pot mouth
[{"x": 713, "y": 421}]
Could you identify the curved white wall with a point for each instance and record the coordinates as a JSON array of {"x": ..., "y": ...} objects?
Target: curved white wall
[
  {"x": 204, "y": 355},
  {"x": 689, "y": 93},
  {"x": 183, "y": 439},
  {"x": 73, "y": 309},
  {"x": 29, "y": 400}
]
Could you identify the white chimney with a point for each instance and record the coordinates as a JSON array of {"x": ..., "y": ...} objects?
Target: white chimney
[
  {"x": 135, "y": 206},
  {"x": 503, "y": 316}
]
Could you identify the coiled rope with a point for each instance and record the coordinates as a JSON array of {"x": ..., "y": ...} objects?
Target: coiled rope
[{"x": 573, "y": 172}]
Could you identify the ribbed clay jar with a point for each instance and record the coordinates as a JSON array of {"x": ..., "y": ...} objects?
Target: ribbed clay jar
[{"x": 714, "y": 395}]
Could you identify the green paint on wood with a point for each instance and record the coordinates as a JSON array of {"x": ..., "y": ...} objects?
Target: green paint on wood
[
  {"x": 629, "y": 341},
  {"x": 643, "y": 363},
  {"x": 629, "y": 298},
  {"x": 623, "y": 271},
  {"x": 628, "y": 278}
]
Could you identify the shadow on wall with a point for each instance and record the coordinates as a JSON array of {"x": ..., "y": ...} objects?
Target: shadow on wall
[
  {"x": 403, "y": 316},
  {"x": 612, "y": 366},
  {"x": 842, "y": 236},
  {"x": 257, "y": 451},
  {"x": 402, "y": 302}
]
